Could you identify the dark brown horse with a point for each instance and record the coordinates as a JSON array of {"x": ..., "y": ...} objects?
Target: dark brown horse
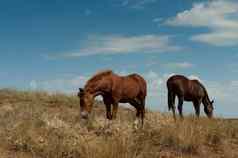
[
  {"x": 114, "y": 89},
  {"x": 188, "y": 90}
]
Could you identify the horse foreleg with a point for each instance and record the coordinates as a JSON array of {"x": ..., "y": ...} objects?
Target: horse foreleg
[
  {"x": 197, "y": 109},
  {"x": 196, "y": 105},
  {"x": 107, "y": 101},
  {"x": 174, "y": 113}
]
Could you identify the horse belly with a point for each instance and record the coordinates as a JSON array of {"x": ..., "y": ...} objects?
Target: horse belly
[
  {"x": 130, "y": 90},
  {"x": 188, "y": 97},
  {"x": 191, "y": 97},
  {"x": 124, "y": 100},
  {"x": 128, "y": 95}
]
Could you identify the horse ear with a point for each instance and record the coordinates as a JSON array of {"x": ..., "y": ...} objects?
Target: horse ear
[
  {"x": 212, "y": 101},
  {"x": 81, "y": 90}
]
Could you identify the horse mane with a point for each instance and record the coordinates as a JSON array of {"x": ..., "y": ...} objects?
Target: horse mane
[
  {"x": 98, "y": 76},
  {"x": 203, "y": 87}
]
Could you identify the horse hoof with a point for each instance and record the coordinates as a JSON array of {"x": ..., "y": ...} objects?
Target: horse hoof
[{"x": 136, "y": 124}]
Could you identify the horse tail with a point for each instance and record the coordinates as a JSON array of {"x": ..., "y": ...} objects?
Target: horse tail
[
  {"x": 171, "y": 99},
  {"x": 171, "y": 95}
]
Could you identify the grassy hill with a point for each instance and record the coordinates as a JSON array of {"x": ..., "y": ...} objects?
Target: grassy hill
[{"x": 42, "y": 125}]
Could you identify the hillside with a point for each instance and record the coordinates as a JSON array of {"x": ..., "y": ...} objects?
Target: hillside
[{"x": 42, "y": 125}]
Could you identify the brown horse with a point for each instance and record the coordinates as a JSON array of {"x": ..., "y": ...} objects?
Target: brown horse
[
  {"x": 188, "y": 90},
  {"x": 114, "y": 89}
]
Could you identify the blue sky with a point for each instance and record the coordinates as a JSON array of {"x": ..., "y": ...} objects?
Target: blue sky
[{"x": 56, "y": 45}]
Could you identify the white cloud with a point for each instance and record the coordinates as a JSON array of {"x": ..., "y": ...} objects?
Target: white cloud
[
  {"x": 87, "y": 12},
  {"x": 232, "y": 67},
  {"x": 125, "y": 3},
  {"x": 33, "y": 84},
  {"x": 180, "y": 65},
  {"x": 220, "y": 17},
  {"x": 104, "y": 45},
  {"x": 223, "y": 38},
  {"x": 224, "y": 92},
  {"x": 157, "y": 20},
  {"x": 137, "y": 4},
  {"x": 68, "y": 84},
  {"x": 157, "y": 90}
]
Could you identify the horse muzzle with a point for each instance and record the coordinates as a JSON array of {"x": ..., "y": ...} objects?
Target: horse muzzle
[
  {"x": 84, "y": 115},
  {"x": 210, "y": 116}
]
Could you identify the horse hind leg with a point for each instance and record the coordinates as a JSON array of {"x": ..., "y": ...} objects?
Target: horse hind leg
[
  {"x": 135, "y": 103},
  {"x": 171, "y": 103},
  {"x": 180, "y": 106},
  {"x": 197, "y": 109},
  {"x": 141, "y": 111},
  {"x": 136, "y": 122},
  {"x": 174, "y": 113},
  {"x": 114, "y": 110}
]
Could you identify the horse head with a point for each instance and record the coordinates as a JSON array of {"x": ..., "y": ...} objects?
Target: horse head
[
  {"x": 86, "y": 103},
  {"x": 209, "y": 109}
]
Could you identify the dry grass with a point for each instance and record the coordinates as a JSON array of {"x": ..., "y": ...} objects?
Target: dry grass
[{"x": 40, "y": 125}]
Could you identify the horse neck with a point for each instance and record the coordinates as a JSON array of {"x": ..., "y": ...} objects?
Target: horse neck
[
  {"x": 94, "y": 88},
  {"x": 206, "y": 100}
]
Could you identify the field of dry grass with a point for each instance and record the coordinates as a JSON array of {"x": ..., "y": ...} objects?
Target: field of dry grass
[{"x": 41, "y": 125}]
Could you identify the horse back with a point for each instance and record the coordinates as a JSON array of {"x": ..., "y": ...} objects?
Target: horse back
[
  {"x": 182, "y": 86},
  {"x": 140, "y": 82},
  {"x": 178, "y": 84},
  {"x": 130, "y": 86}
]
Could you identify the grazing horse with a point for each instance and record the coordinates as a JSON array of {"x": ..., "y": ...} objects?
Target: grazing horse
[
  {"x": 114, "y": 89},
  {"x": 188, "y": 90}
]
